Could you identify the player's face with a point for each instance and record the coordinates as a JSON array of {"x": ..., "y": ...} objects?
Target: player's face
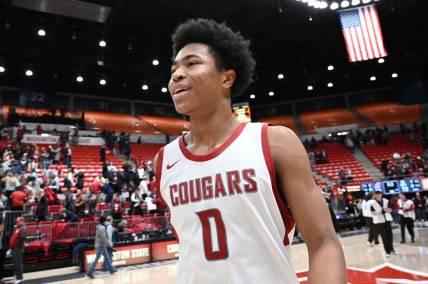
[{"x": 196, "y": 82}]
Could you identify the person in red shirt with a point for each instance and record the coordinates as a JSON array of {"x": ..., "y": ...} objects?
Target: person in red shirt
[
  {"x": 18, "y": 197},
  {"x": 117, "y": 206},
  {"x": 17, "y": 245}
]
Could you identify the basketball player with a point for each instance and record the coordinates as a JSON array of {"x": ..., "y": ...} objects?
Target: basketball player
[{"x": 234, "y": 190}]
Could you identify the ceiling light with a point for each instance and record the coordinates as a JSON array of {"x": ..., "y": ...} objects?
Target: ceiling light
[
  {"x": 324, "y": 5},
  {"x": 102, "y": 43},
  {"x": 79, "y": 79},
  {"x": 164, "y": 90},
  {"x": 280, "y": 76},
  {"x": 310, "y": 19},
  {"x": 29, "y": 73},
  {"x": 366, "y": 1},
  {"x": 334, "y": 6},
  {"x": 2, "y": 69},
  {"x": 155, "y": 62},
  {"x": 344, "y": 4},
  {"x": 311, "y": 3},
  {"x": 103, "y": 82},
  {"x": 41, "y": 32},
  {"x": 330, "y": 85},
  {"x": 271, "y": 94},
  {"x": 381, "y": 60},
  {"x": 310, "y": 88},
  {"x": 373, "y": 78},
  {"x": 145, "y": 87},
  {"x": 394, "y": 75},
  {"x": 355, "y": 2},
  {"x": 330, "y": 68},
  {"x": 252, "y": 96}
]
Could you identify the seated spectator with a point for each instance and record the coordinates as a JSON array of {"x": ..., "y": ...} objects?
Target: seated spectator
[
  {"x": 342, "y": 177},
  {"x": 54, "y": 182},
  {"x": 349, "y": 176},
  {"x": 92, "y": 205},
  {"x": 80, "y": 177},
  {"x": 136, "y": 202},
  {"x": 396, "y": 156},
  {"x": 117, "y": 207},
  {"x": 96, "y": 186}
]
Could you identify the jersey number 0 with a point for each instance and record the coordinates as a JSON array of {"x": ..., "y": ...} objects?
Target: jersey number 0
[{"x": 222, "y": 252}]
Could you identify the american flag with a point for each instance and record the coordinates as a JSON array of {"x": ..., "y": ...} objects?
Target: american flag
[{"x": 363, "y": 34}]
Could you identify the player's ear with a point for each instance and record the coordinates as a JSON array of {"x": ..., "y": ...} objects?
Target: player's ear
[{"x": 229, "y": 79}]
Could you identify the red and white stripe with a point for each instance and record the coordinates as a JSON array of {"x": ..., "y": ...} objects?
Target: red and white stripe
[{"x": 365, "y": 42}]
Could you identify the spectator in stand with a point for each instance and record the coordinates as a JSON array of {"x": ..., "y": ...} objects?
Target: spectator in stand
[
  {"x": 103, "y": 153},
  {"x": 20, "y": 134},
  {"x": 39, "y": 130},
  {"x": 419, "y": 210},
  {"x": 349, "y": 143},
  {"x": 44, "y": 159},
  {"x": 18, "y": 199},
  {"x": 349, "y": 176},
  {"x": 42, "y": 206},
  {"x": 4, "y": 247},
  {"x": 80, "y": 177},
  {"x": 75, "y": 137},
  {"x": 117, "y": 207},
  {"x": 109, "y": 190},
  {"x": 11, "y": 183},
  {"x": 3, "y": 202},
  {"x": 54, "y": 182},
  {"x": 57, "y": 155},
  {"x": 96, "y": 186},
  {"x": 407, "y": 212},
  {"x": 396, "y": 156},
  {"x": 67, "y": 156},
  {"x": 342, "y": 177},
  {"x": 92, "y": 205},
  {"x": 80, "y": 205},
  {"x": 69, "y": 179},
  {"x": 136, "y": 202},
  {"x": 17, "y": 245}
]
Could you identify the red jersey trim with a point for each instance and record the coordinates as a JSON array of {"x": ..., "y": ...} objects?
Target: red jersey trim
[
  {"x": 287, "y": 218},
  {"x": 158, "y": 174},
  {"x": 203, "y": 158}
]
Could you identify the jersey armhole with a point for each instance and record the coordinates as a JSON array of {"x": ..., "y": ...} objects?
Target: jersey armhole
[
  {"x": 158, "y": 173},
  {"x": 286, "y": 215}
]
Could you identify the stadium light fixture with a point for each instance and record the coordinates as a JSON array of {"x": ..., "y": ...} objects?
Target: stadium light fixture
[
  {"x": 373, "y": 78},
  {"x": 310, "y": 88},
  {"x": 330, "y": 85},
  {"x": 155, "y": 62},
  {"x": 164, "y": 90},
  {"x": 271, "y": 94},
  {"x": 330, "y": 68},
  {"x": 281, "y": 76},
  {"x": 102, "y": 43},
  {"x": 344, "y": 4},
  {"x": 79, "y": 79},
  {"x": 2, "y": 69},
  {"x": 381, "y": 60},
  {"x": 394, "y": 75},
  {"x": 103, "y": 82},
  {"x": 334, "y": 6},
  {"x": 29, "y": 73},
  {"x": 252, "y": 96},
  {"x": 145, "y": 87},
  {"x": 41, "y": 32}
]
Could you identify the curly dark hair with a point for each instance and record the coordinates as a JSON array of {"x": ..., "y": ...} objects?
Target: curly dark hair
[{"x": 229, "y": 48}]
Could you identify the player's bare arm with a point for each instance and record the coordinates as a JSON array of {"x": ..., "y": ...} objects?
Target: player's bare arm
[{"x": 326, "y": 259}]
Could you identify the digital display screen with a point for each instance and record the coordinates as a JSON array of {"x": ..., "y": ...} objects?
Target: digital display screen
[
  {"x": 390, "y": 187},
  {"x": 396, "y": 186},
  {"x": 410, "y": 185}
]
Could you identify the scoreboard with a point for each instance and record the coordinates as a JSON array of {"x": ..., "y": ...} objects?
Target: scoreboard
[
  {"x": 242, "y": 112},
  {"x": 393, "y": 186}
]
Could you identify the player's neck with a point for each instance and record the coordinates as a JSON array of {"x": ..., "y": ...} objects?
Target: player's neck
[{"x": 212, "y": 130}]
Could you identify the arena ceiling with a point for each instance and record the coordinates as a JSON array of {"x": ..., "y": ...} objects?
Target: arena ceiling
[{"x": 287, "y": 36}]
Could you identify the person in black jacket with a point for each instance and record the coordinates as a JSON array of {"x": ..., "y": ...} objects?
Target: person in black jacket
[
  {"x": 103, "y": 153},
  {"x": 4, "y": 246},
  {"x": 42, "y": 206}
]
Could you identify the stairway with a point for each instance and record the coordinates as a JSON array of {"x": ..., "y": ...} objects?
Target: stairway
[
  {"x": 299, "y": 125},
  {"x": 371, "y": 169},
  {"x": 361, "y": 117}
]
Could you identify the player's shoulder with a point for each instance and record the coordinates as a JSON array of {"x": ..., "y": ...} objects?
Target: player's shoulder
[{"x": 162, "y": 150}]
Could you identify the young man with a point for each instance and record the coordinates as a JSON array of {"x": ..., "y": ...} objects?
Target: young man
[
  {"x": 382, "y": 220},
  {"x": 230, "y": 185},
  {"x": 368, "y": 216},
  {"x": 407, "y": 214}
]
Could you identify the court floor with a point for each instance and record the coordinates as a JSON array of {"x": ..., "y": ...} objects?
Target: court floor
[{"x": 365, "y": 265}]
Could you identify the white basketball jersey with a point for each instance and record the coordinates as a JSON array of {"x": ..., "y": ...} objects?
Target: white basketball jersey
[{"x": 232, "y": 225}]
